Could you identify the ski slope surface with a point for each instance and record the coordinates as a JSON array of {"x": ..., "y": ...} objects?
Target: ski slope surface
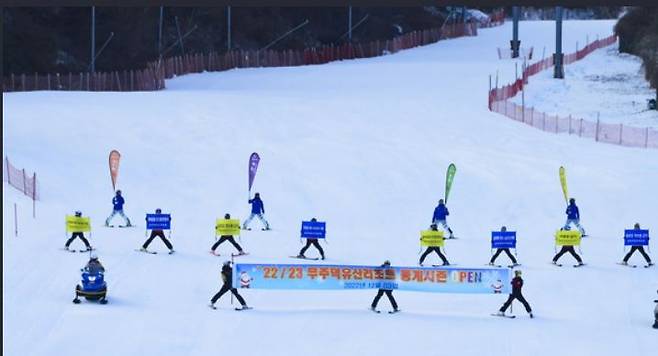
[{"x": 363, "y": 145}]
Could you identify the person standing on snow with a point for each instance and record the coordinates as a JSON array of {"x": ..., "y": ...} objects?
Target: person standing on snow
[
  {"x": 573, "y": 216},
  {"x": 517, "y": 284},
  {"x": 81, "y": 235},
  {"x": 382, "y": 291},
  {"x": 637, "y": 248},
  {"x": 257, "y": 209},
  {"x": 227, "y": 279},
  {"x": 431, "y": 249},
  {"x": 565, "y": 249},
  {"x": 439, "y": 217},
  {"x": 117, "y": 203},
  {"x": 159, "y": 233},
  {"x": 309, "y": 242},
  {"x": 228, "y": 238},
  {"x": 499, "y": 250}
]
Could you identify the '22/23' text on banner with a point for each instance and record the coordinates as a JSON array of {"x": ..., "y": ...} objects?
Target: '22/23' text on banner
[{"x": 425, "y": 279}]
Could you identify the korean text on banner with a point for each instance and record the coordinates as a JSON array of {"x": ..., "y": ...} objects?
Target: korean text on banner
[
  {"x": 431, "y": 238},
  {"x": 227, "y": 227},
  {"x": 567, "y": 238},
  {"x": 424, "y": 279},
  {"x": 636, "y": 237},
  {"x": 503, "y": 239},
  {"x": 77, "y": 224},
  {"x": 313, "y": 229},
  {"x": 158, "y": 221},
  {"x": 114, "y": 159}
]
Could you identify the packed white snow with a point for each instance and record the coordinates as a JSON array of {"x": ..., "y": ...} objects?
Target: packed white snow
[
  {"x": 362, "y": 145},
  {"x": 605, "y": 84}
]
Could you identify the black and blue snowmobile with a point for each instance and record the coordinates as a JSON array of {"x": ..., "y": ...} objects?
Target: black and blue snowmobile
[{"x": 93, "y": 286}]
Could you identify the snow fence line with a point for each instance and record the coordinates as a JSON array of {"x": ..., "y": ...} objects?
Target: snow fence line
[
  {"x": 601, "y": 132},
  {"x": 20, "y": 180},
  {"x": 154, "y": 75}
]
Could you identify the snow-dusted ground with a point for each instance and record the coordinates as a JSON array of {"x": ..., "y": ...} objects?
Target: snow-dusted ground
[
  {"x": 606, "y": 82},
  {"x": 361, "y": 144}
]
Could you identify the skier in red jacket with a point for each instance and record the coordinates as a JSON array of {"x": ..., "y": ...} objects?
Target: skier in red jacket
[{"x": 517, "y": 284}]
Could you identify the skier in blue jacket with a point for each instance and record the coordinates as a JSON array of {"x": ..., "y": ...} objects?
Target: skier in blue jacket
[
  {"x": 439, "y": 217},
  {"x": 573, "y": 216},
  {"x": 257, "y": 209},
  {"x": 117, "y": 203}
]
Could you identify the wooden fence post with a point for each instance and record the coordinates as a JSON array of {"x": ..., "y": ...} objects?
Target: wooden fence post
[
  {"x": 580, "y": 129},
  {"x": 24, "y": 183},
  {"x": 8, "y": 171},
  {"x": 598, "y": 122},
  {"x": 621, "y": 133},
  {"x": 646, "y": 139},
  {"x": 34, "y": 195}
]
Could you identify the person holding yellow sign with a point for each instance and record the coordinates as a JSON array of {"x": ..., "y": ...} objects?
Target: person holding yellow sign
[
  {"x": 433, "y": 239},
  {"x": 77, "y": 225},
  {"x": 226, "y": 230},
  {"x": 568, "y": 241}
]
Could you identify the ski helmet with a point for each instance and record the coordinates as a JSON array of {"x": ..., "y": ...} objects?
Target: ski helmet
[
  {"x": 227, "y": 263},
  {"x": 227, "y": 216},
  {"x": 93, "y": 257},
  {"x": 440, "y": 201},
  {"x": 158, "y": 211},
  {"x": 314, "y": 220},
  {"x": 517, "y": 272},
  {"x": 572, "y": 201},
  {"x": 387, "y": 263},
  {"x": 119, "y": 192},
  {"x": 257, "y": 195},
  {"x": 433, "y": 227},
  {"x": 78, "y": 213},
  {"x": 637, "y": 226},
  {"x": 503, "y": 229}
]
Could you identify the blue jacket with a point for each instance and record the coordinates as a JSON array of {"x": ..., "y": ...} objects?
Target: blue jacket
[
  {"x": 572, "y": 212},
  {"x": 118, "y": 201},
  {"x": 257, "y": 206},
  {"x": 440, "y": 213}
]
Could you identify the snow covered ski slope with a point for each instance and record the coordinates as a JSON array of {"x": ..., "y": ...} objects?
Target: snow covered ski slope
[{"x": 362, "y": 145}]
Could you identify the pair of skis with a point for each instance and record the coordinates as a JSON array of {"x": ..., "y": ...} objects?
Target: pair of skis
[
  {"x": 508, "y": 266},
  {"x": 635, "y": 266},
  {"x": 574, "y": 266},
  {"x": 390, "y": 311},
  {"x": 237, "y": 309},
  {"x": 305, "y": 258},
  {"x": 153, "y": 252},
  {"x": 74, "y": 250},
  {"x": 232, "y": 255}
]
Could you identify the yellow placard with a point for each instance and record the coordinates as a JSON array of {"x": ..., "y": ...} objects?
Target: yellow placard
[
  {"x": 227, "y": 227},
  {"x": 431, "y": 238},
  {"x": 567, "y": 238},
  {"x": 77, "y": 224}
]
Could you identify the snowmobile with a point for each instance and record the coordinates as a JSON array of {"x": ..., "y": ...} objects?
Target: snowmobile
[{"x": 93, "y": 286}]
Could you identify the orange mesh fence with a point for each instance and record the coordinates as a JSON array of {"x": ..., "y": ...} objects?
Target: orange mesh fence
[
  {"x": 599, "y": 131},
  {"x": 19, "y": 179}
]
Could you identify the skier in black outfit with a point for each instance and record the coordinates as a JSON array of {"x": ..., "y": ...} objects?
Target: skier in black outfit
[
  {"x": 228, "y": 238},
  {"x": 227, "y": 278},
  {"x": 637, "y": 248},
  {"x": 566, "y": 249},
  {"x": 78, "y": 234},
  {"x": 309, "y": 242},
  {"x": 159, "y": 233},
  {"x": 382, "y": 291},
  {"x": 499, "y": 250},
  {"x": 431, "y": 249},
  {"x": 517, "y": 284}
]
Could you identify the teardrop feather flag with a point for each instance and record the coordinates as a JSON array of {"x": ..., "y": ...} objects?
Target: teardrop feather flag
[
  {"x": 563, "y": 182},
  {"x": 253, "y": 167},
  {"x": 115, "y": 156},
  {"x": 450, "y": 175}
]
